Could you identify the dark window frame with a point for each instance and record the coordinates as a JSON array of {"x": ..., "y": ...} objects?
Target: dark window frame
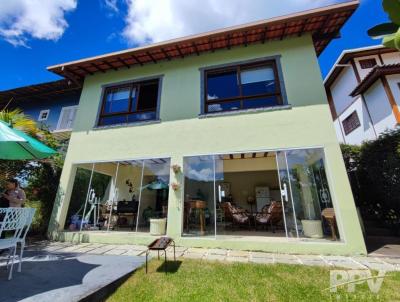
[
  {"x": 368, "y": 63},
  {"x": 131, "y": 85},
  {"x": 351, "y": 123},
  {"x": 238, "y": 67}
]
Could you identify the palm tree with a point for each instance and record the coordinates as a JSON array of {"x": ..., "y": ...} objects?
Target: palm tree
[
  {"x": 23, "y": 122},
  {"x": 20, "y": 121}
]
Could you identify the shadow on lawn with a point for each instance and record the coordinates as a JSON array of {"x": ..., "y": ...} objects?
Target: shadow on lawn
[{"x": 169, "y": 267}]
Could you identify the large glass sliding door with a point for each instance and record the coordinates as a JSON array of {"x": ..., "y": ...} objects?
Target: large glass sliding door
[
  {"x": 232, "y": 194},
  {"x": 199, "y": 200},
  {"x": 288, "y": 205},
  {"x": 153, "y": 195},
  {"x": 120, "y": 196},
  {"x": 281, "y": 193},
  {"x": 306, "y": 194}
]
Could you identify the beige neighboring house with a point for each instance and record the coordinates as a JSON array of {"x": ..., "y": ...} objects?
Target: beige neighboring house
[{"x": 363, "y": 89}]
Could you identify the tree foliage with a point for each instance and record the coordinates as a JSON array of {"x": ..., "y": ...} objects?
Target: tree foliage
[
  {"x": 374, "y": 172},
  {"x": 389, "y": 32},
  {"x": 39, "y": 178}
]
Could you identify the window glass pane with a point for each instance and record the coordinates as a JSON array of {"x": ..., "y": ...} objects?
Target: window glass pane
[
  {"x": 199, "y": 196},
  {"x": 78, "y": 197},
  {"x": 154, "y": 194},
  {"x": 134, "y": 99},
  {"x": 259, "y": 103},
  {"x": 136, "y": 117},
  {"x": 148, "y": 95},
  {"x": 227, "y": 106},
  {"x": 111, "y": 120},
  {"x": 117, "y": 100},
  {"x": 311, "y": 195},
  {"x": 258, "y": 80},
  {"x": 222, "y": 85}
]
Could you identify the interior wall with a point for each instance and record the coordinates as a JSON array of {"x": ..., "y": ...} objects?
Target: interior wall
[
  {"x": 250, "y": 164},
  {"x": 243, "y": 184},
  {"x": 134, "y": 174}
]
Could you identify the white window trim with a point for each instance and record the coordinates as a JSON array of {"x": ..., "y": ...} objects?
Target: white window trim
[
  {"x": 60, "y": 118},
  {"x": 40, "y": 119}
]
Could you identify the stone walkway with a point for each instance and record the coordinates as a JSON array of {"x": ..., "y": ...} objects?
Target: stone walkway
[{"x": 356, "y": 262}]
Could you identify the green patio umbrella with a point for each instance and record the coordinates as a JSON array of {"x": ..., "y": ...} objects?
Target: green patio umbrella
[{"x": 16, "y": 145}]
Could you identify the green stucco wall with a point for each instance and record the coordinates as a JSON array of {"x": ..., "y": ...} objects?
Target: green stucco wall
[{"x": 181, "y": 133}]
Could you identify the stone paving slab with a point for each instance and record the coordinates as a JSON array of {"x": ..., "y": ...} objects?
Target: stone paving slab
[
  {"x": 84, "y": 250},
  {"x": 170, "y": 254},
  {"x": 216, "y": 257},
  {"x": 261, "y": 255},
  {"x": 238, "y": 254},
  {"x": 134, "y": 253},
  {"x": 57, "y": 246},
  {"x": 261, "y": 260},
  {"x": 215, "y": 254},
  {"x": 102, "y": 250},
  {"x": 343, "y": 262},
  {"x": 180, "y": 249},
  {"x": 74, "y": 247},
  {"x": 193, "y": 255},
  {"x": 237, "y": 259},
  {"x": 115, "y": 252},
  {"x": 196, "y": 250}
]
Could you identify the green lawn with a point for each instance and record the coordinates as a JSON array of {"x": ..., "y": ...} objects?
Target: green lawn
[{"x": 196, "y": 280}]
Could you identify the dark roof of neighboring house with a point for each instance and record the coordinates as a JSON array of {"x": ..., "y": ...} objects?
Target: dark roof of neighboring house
[
  {"x": 323, "y": 23},
  {"x": 348, "y": 55},
  {"x": 374, "y": 75},
  {"x": 43, "y": 91}
]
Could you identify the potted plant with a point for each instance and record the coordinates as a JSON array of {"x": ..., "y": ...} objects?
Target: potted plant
[{"x": 312, "y": 227}]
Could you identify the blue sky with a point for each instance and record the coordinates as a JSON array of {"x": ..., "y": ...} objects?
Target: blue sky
[{"x": 56, "y": 31}]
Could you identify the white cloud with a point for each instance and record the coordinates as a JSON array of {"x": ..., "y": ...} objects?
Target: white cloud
[
  {"x": 205, "y": 174},
  {"x": 159, "y": 20},
  {"x": 21, "y": 20}
]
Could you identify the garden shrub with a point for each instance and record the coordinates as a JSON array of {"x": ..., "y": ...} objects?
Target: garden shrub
[
  {"x": 38, "y": 224},
  {"x": 374, "y": 172}
]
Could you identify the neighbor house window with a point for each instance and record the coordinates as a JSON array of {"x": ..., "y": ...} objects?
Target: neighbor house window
[
  {"x": 368, "y": 63},
  {"x": 351, "y": 123},
  {"x": 43, "y": 115},
  {"x": 130, "y": 103},
  {"x": 242, "y": 87}
]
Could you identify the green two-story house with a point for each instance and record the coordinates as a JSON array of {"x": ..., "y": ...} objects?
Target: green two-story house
[{"x": 222, "y": 139}]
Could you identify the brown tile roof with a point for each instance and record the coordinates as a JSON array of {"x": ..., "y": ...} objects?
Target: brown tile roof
[
  {"x": 41, "y": 91},
  {"x": 373, "y": 76},
  {"x": 323, "y": 24}
]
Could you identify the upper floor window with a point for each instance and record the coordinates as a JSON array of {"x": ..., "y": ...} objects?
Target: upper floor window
[
  {"x": 43, "y": 115},
  {"x": 368, "y": 63},
  {"x": 351, "y": 123},
  {"x": 242, "y": 87},
  {"x": 130, "y": 103}
]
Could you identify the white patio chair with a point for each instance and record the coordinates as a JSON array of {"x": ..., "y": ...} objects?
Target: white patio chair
[
  {"x": 14, "y": 221},
  {"x": 21, "y": 240}
]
